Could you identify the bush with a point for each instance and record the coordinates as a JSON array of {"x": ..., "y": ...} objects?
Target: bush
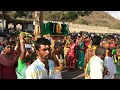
[{"x": 83, "y": 21}]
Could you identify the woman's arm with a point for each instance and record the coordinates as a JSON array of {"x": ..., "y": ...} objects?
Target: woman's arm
[{"x": 22, "y": 46}]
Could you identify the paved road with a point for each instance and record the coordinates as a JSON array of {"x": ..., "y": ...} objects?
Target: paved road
[
  {"x": 118, "y": 70},
  {"x": 79, "y": 74},
  {"x": 73, "y": 74}
]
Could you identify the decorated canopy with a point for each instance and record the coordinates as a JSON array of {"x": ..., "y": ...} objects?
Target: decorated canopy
[{"x": 54, "y": 29}]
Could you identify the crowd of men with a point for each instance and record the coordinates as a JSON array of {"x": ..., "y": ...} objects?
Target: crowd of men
[{"x": 26, "y": 56}]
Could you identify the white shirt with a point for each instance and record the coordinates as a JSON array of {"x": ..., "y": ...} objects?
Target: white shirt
[
  {"x": 37, "y": 70},
  {"x": 96, "y": 68},
  {"x": 109, "y": 63}
]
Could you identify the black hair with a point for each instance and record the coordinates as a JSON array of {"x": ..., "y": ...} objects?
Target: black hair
[
  {"x": 13, "y": 42},
  {"x": 6, "y": 44},
  {"x": 41, "y": 41},
  {"x": 100, "y": 50},
  {"x": 108, "y": 37},
  {"x": 96, "y": 40},
  {"x": 79, "y": 36},
  {"x": 57, "y": 44}
]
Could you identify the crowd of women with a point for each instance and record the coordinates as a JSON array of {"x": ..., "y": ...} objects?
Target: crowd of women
[
  {"x": 20, "y": 54},
  {"x": 84, "y": 46}
]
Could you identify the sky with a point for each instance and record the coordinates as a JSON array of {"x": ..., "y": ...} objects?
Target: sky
[{"x": 115, "y": 14}]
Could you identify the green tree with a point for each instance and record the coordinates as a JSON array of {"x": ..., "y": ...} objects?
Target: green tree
[
  {"x": 72, "y": 15},
  {"x": 64, "y": 15},
  {"x": 15, "y": 14},
  {"x": 83, "y": 13},
  {"x": 20, "y": 14}
]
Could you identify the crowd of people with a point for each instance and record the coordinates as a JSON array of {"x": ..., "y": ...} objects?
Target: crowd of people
[{"x": 26, "y": 56}]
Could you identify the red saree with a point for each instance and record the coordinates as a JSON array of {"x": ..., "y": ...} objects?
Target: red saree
[{"x": 71, "y": 60}]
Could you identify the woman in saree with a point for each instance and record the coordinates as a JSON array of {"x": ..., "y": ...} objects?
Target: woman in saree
[
  {"x": 80, "y": 53},
  {"x": 66, "y": 48},
  {"x": 71, "y": 58}
]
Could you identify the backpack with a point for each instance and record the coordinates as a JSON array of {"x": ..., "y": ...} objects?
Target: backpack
[{"x": 87, "y": 70}]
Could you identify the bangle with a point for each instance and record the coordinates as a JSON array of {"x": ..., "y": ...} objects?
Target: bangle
[{"x": 21, "y": 41}]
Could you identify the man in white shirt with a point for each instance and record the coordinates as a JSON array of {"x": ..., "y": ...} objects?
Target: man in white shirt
[
  {"x": 110, "y": 65},
  {"x": 96, "y": 65},
  {"x": 42, "y": 68}
]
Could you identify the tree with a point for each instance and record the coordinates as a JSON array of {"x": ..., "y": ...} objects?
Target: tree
[
  {"x": 64, "y": 15},
  {"x": 20, "y": 14},
  {"x": 83, "y": 13},
  {"x": 72, "y": 15},
  {"x": 38, "y": 16}
]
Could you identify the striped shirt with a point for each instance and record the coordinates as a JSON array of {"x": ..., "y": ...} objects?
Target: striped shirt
[{"x": 37, "y": 70}]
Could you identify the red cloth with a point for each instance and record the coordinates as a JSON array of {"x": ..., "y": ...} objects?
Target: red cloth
[
  {"x": 7, "y": 72},
  {"x": 71, "y": 60},
  {"x": 87, "y": 43},
  {"x": 8, "y": 66}
]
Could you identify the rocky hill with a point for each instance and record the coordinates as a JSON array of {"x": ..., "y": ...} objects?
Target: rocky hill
[
  {"x": 100, "y": 18},
  {"x": 96, "y": 18}
]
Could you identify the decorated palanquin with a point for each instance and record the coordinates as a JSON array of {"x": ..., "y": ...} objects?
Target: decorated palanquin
[{"x": 54, "y": 29}]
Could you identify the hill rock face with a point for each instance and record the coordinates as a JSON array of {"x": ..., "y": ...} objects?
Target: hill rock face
[
  {"x": 96, "y": 18},
  {"x": 99, "y": 18}
]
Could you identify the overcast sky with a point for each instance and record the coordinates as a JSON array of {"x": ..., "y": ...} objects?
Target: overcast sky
[{"x": 115, "y": 14}]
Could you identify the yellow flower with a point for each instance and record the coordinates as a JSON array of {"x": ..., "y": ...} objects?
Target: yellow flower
[
  {"x": 89, "y": 46},
  {"x": 94, "y": 48}
]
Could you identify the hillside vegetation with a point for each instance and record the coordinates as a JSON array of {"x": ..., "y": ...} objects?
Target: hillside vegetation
[{"x": 95, "y": 18}]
